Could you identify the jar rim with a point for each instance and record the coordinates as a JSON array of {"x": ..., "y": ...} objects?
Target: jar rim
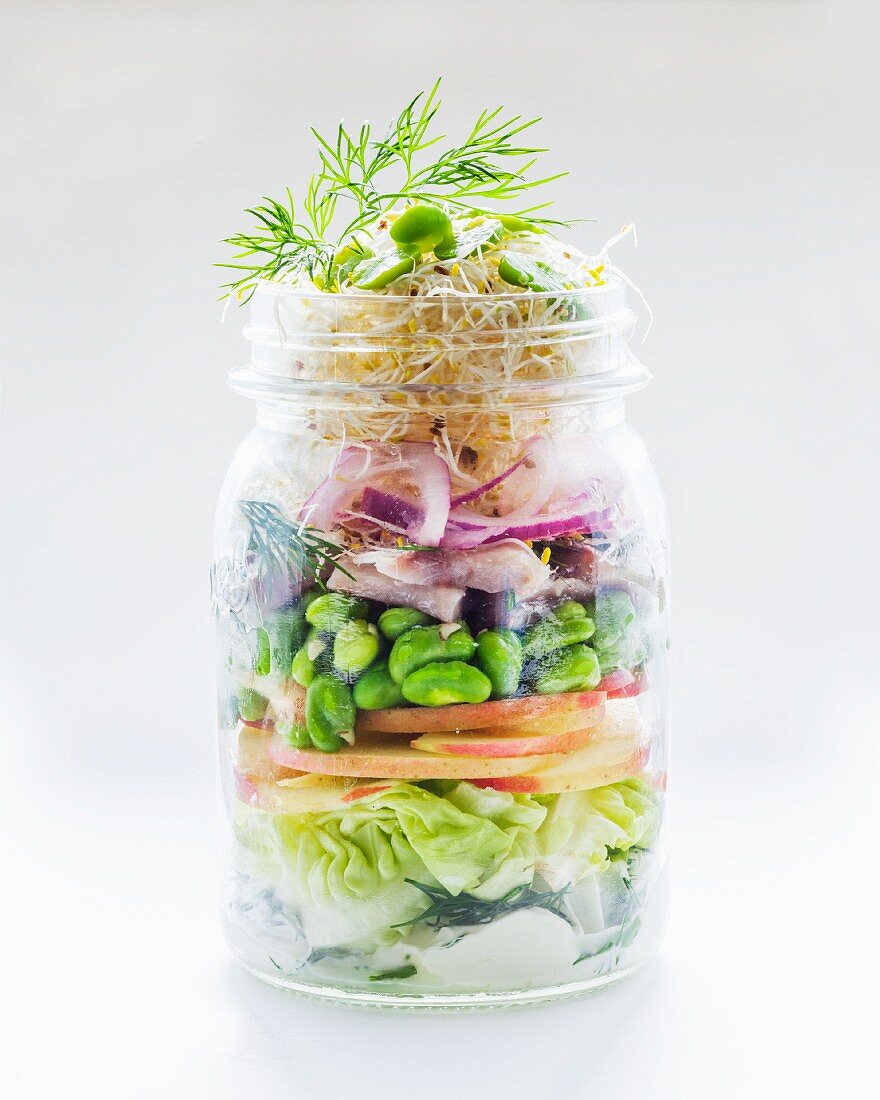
[{"x": 548, "y": 347}]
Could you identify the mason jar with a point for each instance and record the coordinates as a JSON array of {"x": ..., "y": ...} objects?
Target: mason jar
[{"x": 440, "y": 587}]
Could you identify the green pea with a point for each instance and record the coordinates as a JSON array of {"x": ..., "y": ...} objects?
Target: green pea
[
  {"x": 424, "y": 644},
  {"x": 500, "y": 656},
  {"x": 398, "y": 620},
  {"x": 573, "y": 668},
  {"x": 421, "y": 225},
  {"x": 356, "y": 646},
  {"x": 378, "y": 271},
  {"x": 330, "y": 713},
  {"x": 615, "y": 613},
  {"x": 376, "y": 690},
  {"x": 294, "y": 733},
  {"x": 332, "y": 609},
  {"x": 462, "y": 245},
  {"x": 251, "y": 705},
  {"x": 263, "y": 659},
  {"x": 553, "y": 633},
  {"x": 443, "y": 682}
]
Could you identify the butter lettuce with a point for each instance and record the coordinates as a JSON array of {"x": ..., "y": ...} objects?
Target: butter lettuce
[{"x": 343, "y": 873}]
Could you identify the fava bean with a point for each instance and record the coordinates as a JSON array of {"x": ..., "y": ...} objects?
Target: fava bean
[
  {"x": 263, "y": 659},
  {"x": 553, "y": 633},
  {"x": 572, "y": 668},
  {"x": 569, "y": 609},
  {"x": 398, "y": 620},
  {"x": 424, "y": 644},
  {"x": 330, "y": 610},
  {"x": 465, "y": 244},
  {"x": 251, "y": 705},
  {"x": 378, "y": 271},
  {"x": 615, "y": 613},
  {"x": 443, "y": 682},
  {"x": 294, "y": 733},
  {"x": 303, "y": 666},
  {"x": 286, "y": 630},
  {"x": 376, "y": 690},
  {"x": 500, "y": 656},
  {"x": 356, "y": 646},
  {"x": 422, "y": 225},
  {"x": 330, "y": 713}
]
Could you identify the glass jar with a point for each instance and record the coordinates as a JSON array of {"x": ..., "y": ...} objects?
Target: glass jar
[{"x": 441, "y": 598}]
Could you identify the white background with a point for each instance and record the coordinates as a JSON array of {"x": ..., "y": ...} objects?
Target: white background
[{"x": 741, "y": 139}]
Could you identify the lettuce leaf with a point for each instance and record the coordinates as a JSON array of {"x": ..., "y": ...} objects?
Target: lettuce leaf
[{"x": 344, "y": 872}]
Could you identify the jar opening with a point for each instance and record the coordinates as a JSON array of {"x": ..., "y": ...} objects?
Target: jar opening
[{"x": 460, "y": 351}]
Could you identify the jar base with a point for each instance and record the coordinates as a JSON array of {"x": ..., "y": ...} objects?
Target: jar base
[{"x": 444, "y": 1002}]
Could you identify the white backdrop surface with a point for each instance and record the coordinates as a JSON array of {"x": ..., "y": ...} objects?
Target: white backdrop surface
[{"x": 740, "y": 137}]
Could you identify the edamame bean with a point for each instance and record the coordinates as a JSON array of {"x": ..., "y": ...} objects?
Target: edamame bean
[
  {"x": 376, "y": 690},
  {"x": 573, "y": 668},
  {"x": 330, "y": 713},
  {"x": 356, "y": 646},
  {"x": 443, "y": 682},
  {"x": 398, "y": 620},
  {"x": 378, "y": 271},
  {"x": 553, "y": 633},
  {"x": 500, "y": 656},
  {"x": 422, "y": 225},
  {"x": 251, "y": 705},
  {"x": 423, "y": 644},
  {"x": 332, "y": 609}
]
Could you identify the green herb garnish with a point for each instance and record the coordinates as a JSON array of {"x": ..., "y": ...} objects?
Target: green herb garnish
[
  {"x": 301, "y": 550},
  {"x": 393, "y": 975},
  {"x": 447, "y": 910},
  {"x": 490, "y": 165}
]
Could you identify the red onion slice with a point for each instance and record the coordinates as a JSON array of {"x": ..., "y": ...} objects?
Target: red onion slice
[
  {"x": 473, "y": 494},
  {"x": 431, "y": 474}
]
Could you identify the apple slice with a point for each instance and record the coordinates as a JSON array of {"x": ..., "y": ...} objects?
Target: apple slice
[
  {"x": 538, "y": 710},
  {"x": 617, "y": 749},
  {"x": 388, "y": 759},
  {"x": 303, "y": 794},
  {"x": 505, "y": 743}
]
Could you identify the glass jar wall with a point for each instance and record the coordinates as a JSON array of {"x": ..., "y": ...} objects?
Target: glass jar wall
[{"x": 441, "y": 603}]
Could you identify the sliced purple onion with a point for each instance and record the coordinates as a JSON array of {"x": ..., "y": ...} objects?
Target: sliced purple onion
[
  {"x": 385, "y": 508},
  {"x": 432, "y": 477},
  {"x": 473, "y": 494}
]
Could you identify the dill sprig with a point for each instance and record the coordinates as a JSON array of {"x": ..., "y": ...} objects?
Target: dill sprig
[
  {"x": 490, "y": 166},
  {"x": 300, "y": 549},
  {"x": 447, "y": 910}
]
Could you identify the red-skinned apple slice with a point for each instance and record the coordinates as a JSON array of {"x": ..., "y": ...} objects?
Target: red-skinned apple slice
[
  {"x": 307, "y": 793},
  {"x": 617, "y": 749},
  {"x": 507, "y": 742},
  {"x": 535, "y": 710},
  {"x": 388, "y": 759}
]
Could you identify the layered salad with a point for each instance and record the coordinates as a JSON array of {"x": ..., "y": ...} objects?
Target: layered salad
[{"x": 441, "y": 622}]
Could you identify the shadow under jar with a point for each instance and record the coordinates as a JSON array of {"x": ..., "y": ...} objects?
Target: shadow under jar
[{"x": 441, "y": 602}]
